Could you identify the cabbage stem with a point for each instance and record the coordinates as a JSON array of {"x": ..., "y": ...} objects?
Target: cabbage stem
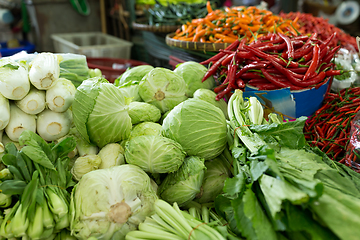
[
  {"x": 169, "y": 214},
  {"x": 5, "y": 228},
  {"x": 210, "y": 232},
  {"x": 36, "y": 227},
  {"x": 47, "y": 233},
  {"x": 62, "y": 223},
  {"x": 33, "y": 102},
  {"x": 2, "y": 147},
  {"x": 61, "y": 95},
  {"x": 137, "y": 235},
  {"x": 20, "y": 222},
  {"x": 52, "y": 125},
  {"x": 5, "y": 112},
  {"x": 19, "y": 121},
  {"x": 56, "y": 203},
  {"x": 48, "y": 218},
  {"x": 150, "y": 229}
]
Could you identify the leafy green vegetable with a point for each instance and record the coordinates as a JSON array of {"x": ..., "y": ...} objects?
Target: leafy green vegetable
[
  {"x": 162, "y": 88},
  {"x": 100, "y": 112},
  {"x": 183, "y": 185},
  {"x": 198, "y": 126},
  {"x": 193, "y": 73}
]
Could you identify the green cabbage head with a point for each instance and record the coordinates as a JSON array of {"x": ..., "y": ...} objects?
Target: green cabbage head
[
  {"x": 193, "y": 73},
  {"x": 183, "y": 185},
  {"x": 129, "y": 81},
  {"x": 162, "y": 88},
  {"x": 108, "y": 203},
  {"x": 198, "y": 126},
  {"x": 154, "y": 154},
  {"x": 100, "y": 112}
]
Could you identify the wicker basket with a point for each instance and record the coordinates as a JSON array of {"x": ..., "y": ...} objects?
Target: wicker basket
[{"x": 195, "y": 46}]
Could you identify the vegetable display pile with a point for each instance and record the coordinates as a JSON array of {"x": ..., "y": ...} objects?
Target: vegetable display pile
[
  {"x": 34, "y": 97},
  {"x": 309, "y": 24},
  {"x": 225, "y": 26},
  {"x": 174, "y": 13},
  {"x": 273, "y": 61},
  {"x": 38, "y": 188},
  {"x": 158, "y": 155},
  {"x": 329, "y": 127}
]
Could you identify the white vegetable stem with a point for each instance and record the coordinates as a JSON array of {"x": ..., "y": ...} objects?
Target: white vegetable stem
[
  {"x": 61, "y": 95},
  {"x": 4, "y": 112},
  {"x": 14, "y": 80},
  {"x": 2, "y": 148},
  {"x": 33, "y": 102},
  {"x": 19, "y": 121},
  {"x": 44, "y": 70},
  {"x": 52, "y": 125}
]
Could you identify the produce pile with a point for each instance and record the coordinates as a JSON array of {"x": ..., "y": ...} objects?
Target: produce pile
[
  {"x": 155, "y": 156},
  {"x": 329, "y": 127},
  {"x": 34, "y": 97},
  {"x": 273, "y": 61},
  {"x": 309, "y": 24},
  {"x": 173, "y": 13},
  {"x": 227, "y": 25}
]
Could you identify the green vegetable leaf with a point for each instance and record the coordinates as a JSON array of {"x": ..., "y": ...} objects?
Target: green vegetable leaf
[
  {"x": 12, "y": 187},
  {"x": 277, "y": 191},
  {"x": 340, "y": 212},
  {"x": 289, "y": 134},
  {"x": 224, "y": 209},
  {"x": 235, "y": 186},
  {"x": 11, "y": 66},
  {"x": 64, "y": 147},
  {"x": 29, "y": 138},
  {"x": 301, "y": 220},
  {"x": 37, "y": 155},
  {"x": 251, "y": 219}
]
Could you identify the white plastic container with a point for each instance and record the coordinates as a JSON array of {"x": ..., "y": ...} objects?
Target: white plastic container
[{"x": 92, "y": 44}]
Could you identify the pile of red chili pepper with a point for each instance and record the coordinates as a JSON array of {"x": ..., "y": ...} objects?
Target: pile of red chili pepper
[
  {"x": 273, "y": 61},
  {"x": 329, "y": 127},
  {"x": 352, "y": 157},
  {"x": 311, "y": 24}
]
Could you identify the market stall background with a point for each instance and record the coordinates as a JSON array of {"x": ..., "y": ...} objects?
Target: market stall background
[{"x": 253, "y": 136}]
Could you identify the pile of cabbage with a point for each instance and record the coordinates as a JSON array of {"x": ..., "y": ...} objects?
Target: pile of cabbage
[{"x": 153, "y": 134}]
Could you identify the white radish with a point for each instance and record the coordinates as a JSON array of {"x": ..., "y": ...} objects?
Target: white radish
[
  {"x": 61, "y": 95},
  {"x": 19, "y": 121},
  {"x": 14, "y": 79},
  {"x": 44, "y": 70},
  {"x": 4, "y": 112},
  {"x": 53, "y": 125},
  {"x": 33, "y": 102}
]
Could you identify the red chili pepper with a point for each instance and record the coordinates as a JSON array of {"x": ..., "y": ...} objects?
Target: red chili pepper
[
  {"x": 289, "y": 44},
  {"x": 212, "y": 70},
  {"x": 267, "y": 86},
  {"x": 314, "y": 63},
  {"x": 218, "y": 56},
  {"x": 228, "y": 59},
  {"x": 251, "y": 66},
  {"x": 270, "y": 57},
  {"x": 250, "y": 75},
  {"x": 331, "y": 54},
  {"x": 278, "y": 83},
  {"x": 221, "y": 94}
]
